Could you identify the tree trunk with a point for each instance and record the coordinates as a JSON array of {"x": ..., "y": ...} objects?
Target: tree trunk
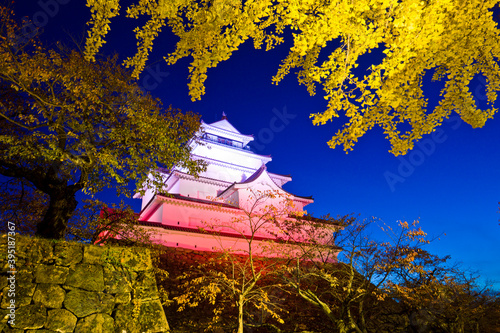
[
  {"x": 62, "y": 204},
  {"x": 240, "y": 315}
]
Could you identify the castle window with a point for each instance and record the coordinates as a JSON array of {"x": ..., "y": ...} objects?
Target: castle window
[{"x": 224, "y": 141}]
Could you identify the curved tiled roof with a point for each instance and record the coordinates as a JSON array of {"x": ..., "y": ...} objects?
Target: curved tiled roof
[{"x": 256, "y": 175}]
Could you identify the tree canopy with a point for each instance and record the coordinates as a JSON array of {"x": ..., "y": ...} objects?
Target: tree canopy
[
  {"x": 409, "y": 40},
  {"x": 68, "y": 125}
]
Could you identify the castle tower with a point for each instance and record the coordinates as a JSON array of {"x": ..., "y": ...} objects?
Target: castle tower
[{"x": 235, "y": 176}]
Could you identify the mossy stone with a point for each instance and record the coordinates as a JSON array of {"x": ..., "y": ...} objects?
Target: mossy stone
[
  {"x": 51, "y": 274},
  {"x": 65, "y": 281},
  {"x": 93, "y": 254},
  {"x": 145, "y": 285},
  {"x": 123, "y": 298},
  {"x": 4, "y": 318},
  {"x": 61, "y": 320},
  {"x": 3, "y": 281},
  {"x": 24, "y": 278},
  {"x": 32, "y": 317},
  {"x": 49, "y": 295},
  {"x": 3, "y": 244},
  {"x": 107, "y": 302},
  {"x": 131, "y": 258},
  {"x": 12, "y": 330},
  {"x": 23, "y": 296},
  {"x": 96, "y": 323},
  {"x": 83, "y": 303},
  {"x": 117, "y": 280},
  {"x": 125, "y": 320},
  {"x": 6, "y": 268},
  {"x": 68, "y": 254},
  {"x": 86, "y": 276},
  {"x": 21, "y": 245},
  {"x": 152, "y": 317},
  {"x": 137, "y": 259},
  {"x": 113, "y": 255},
  {"x": 35, "y": 250}
]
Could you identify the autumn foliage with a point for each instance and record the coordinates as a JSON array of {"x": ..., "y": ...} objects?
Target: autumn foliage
[
  {"x": 377, "y": 286},
  {"x": 68, "y": 125},
  {"x": 370, "y": 57}
]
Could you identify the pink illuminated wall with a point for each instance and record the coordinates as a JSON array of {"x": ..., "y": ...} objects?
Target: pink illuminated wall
[{"x": 228, "y": 200}]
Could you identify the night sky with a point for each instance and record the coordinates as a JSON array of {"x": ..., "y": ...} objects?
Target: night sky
[{"x": 450, "y": 182}]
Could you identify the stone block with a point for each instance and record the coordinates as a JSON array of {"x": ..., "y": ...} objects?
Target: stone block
[
  {"x": 51, "y": 274},
  {"x": 24, "y": 278},
  {"x": 137, "y": 259},
  {"x": 145, "y": 286},
  {"x": 12, "y": 330},
  {"x": 23, "y": 296},
  {"x": 83, "y": 303},
  {"x": 125, "y": 320},
  {"x": 123, "y": 298},
  {"x": 3, "y": 318},
  {"x": 68, "y": 254},
  {"x": 5, "y": 267},
  {"x": 107, "y": 303},
  {"x": 132, "y": 258},
  {"x": 96, "y": 323},
  {"x": 31, "y": 317},
  {"x": 60, "y": 320},
  {"x": 21, "y": 245},
  {"x": 49, "y": 295},
  {"x": 60, "y": 289},
  {"x": 86, "y": 276},
  {"x": 35, "y": 250},
  {"x": 93, "y": 254},
  {"x": 152, "y": 317},
  {"x": 117, "y": 280}
]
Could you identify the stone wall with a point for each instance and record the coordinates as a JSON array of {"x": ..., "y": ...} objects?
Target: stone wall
[
  {"x": 177, "y": 261},
  {"x": 70, "y": 287}
]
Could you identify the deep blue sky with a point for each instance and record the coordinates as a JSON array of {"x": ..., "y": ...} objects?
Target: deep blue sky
[{"x": 451, "y": 184}]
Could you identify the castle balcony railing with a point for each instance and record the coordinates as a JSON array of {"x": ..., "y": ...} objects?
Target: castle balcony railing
[{"x": 225, "y": 142}]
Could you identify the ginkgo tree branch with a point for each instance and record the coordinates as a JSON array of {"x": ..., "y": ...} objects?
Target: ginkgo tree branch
[
  {"x": 29, "y": 128},
  {"x": 410, "y": 39}
]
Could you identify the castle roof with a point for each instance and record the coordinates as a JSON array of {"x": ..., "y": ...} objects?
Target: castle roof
[
  {"x": 261, "y": 176},
  {"x": 224, "y": 128}
]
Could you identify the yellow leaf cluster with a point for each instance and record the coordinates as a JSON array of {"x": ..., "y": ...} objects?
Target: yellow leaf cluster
[{"x": 453, "y": 40}]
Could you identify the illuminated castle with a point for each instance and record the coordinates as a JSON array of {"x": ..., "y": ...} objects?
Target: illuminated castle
[{"x": 222, "y": 193}]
